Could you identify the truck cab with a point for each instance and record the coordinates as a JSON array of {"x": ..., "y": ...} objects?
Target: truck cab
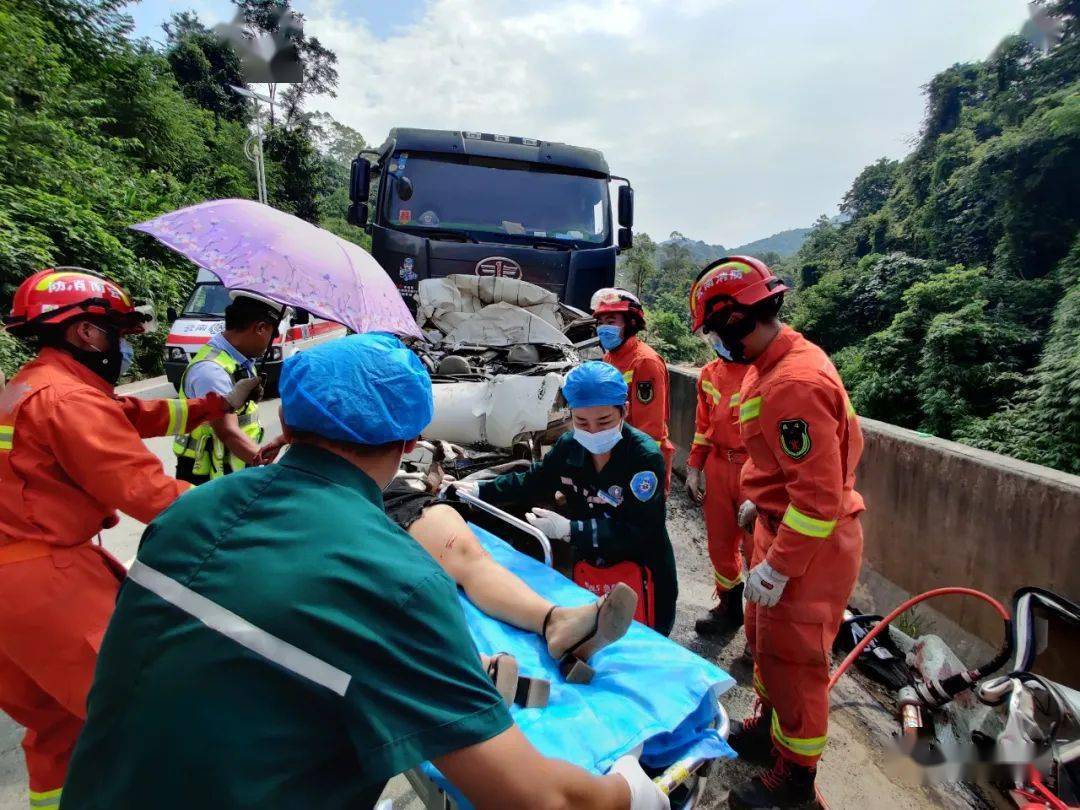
[
  {"x": 203, "y": 316},
  {"x": 473, "y": 203}
]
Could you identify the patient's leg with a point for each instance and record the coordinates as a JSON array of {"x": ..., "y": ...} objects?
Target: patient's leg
[{"x": 493, "y": 589}]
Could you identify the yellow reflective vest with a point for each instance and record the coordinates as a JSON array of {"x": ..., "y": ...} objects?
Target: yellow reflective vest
[{"x": 211, "y": 456}]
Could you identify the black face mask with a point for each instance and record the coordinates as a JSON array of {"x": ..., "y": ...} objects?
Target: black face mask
[
  {"x": 107, "y": 364},
  {"x": 732, "y": 334}
]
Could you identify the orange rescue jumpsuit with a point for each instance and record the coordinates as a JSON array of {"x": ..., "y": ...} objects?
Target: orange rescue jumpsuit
[
  {"x": 646, "y": 376},
  {"x": 718, "y": 450},
  {"x": 804, "y": 443},
  {"x": 70, "y": 454}
]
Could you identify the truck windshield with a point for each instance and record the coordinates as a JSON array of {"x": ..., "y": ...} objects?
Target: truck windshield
[
  {"x": 454, "y": 195},
  {"x": 207, "y": 301}
]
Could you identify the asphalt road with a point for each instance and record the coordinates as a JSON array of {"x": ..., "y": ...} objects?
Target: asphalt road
[{"x": 853, "y": 771}]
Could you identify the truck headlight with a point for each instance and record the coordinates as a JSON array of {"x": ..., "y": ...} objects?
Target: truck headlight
[
  {"x": 175, "y": 353},
  {"x": 275, "y": 354}
]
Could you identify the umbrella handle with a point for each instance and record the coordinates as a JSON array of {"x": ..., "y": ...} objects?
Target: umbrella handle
[{"x": 270, "y": 346}]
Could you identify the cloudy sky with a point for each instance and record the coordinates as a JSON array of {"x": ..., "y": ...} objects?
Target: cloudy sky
[{"x": 734, "y": 119}]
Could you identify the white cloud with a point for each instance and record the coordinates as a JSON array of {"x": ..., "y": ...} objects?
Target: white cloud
[{"x": 733, "y": 118}]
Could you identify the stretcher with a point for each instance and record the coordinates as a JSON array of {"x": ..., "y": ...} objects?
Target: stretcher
[{"x": 650, "y": 696}]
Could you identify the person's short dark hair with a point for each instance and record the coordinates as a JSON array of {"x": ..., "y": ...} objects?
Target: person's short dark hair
[
  {"x": 308, "y": 437},
  {"x": 244, "y": 312}
]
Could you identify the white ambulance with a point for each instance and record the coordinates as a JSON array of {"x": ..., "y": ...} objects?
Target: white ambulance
[{"x": 203, "y": 316}]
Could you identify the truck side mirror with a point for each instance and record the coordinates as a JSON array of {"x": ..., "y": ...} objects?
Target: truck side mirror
[
  {"x": 358, "y": 214},
  {"x": 359, "y": 179},
  {"x": 359, "y": 188},
  {"x": 626, "y": 206},
  {"x": 301, "y": 317},
  {"x": 172, "y": 314},
  {"x": 626, "y": 239}
]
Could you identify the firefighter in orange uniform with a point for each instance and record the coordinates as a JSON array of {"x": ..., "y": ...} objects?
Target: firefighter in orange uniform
[
  {"x": 804, "y": 442},
  {"x": 712, "y": 479},
  {"x": 619, "y": 317},
  {"x": 71, "y": 453}
]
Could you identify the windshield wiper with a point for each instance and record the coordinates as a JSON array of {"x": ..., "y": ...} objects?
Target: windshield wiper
[
  {"x": 547, "y": 242},
  {"x": 446, "y": 235}
]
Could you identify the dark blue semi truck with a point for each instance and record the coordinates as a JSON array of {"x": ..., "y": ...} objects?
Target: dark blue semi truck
[{"x": 491, "y": 205}]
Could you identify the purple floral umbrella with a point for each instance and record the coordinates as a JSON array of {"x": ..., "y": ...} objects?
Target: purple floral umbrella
[{"x": 254, "y": 247}]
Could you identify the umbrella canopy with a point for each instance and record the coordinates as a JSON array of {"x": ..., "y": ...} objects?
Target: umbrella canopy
[{"x": 251, "y": 246}]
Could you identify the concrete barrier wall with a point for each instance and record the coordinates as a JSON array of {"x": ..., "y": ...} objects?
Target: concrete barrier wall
[{"x": 941, "y": 513}]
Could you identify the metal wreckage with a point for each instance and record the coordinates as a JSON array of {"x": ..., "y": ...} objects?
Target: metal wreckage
[{"x": 497, "y": 349}]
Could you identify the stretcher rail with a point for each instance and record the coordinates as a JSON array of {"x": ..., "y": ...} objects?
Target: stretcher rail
[{"x": 516, "y": 522}]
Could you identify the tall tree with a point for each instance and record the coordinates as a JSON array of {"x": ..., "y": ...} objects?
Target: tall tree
[
  {"x": 639, "y": 263},
  {"x": 319, "y": 63}
]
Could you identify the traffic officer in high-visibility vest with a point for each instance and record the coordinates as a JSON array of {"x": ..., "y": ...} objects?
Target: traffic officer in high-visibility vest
[
  {"x": 230, "y": 443},
  {"x": 71, "y": 456},
  {"x": 712, "y": 480},
  {"x": 619, "y": 317},
  {"x": 804, "y": 442},
  {"x": 281, "y": 643}
]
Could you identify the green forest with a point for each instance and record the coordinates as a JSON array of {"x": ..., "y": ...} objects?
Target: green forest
[
  {"x": 949, "y": 297},
  {"x": 948, "y": 292},
  {"x": 99, "y": 132}
]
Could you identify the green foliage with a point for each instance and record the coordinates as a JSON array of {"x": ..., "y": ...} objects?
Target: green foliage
[
  {"x": 949, "y": 299},
  {"x": 98, "y": 133},
  {"x": 638, "y": 264},
  {"x": 669, "y": 334}
]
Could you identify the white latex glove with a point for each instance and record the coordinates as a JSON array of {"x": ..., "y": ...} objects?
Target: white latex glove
[
  {"x": 764, "y": 586},
  {"x": 550, "y": 523},
  {"x": 468, "y": 487},
  {"x": 695, "y": 484},
  {"x": 242, "y": 391},
  {"x": 747, "y": 516},
  {"x": 644, "y": 793}
]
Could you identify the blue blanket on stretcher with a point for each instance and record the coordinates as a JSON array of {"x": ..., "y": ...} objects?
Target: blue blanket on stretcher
[{"x": 647, "y": 691}]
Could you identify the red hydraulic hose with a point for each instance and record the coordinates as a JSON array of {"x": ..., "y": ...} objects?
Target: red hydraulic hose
[{"x": 907, "y": 605}]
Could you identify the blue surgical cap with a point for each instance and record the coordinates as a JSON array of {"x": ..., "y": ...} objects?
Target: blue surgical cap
[
  {"x": 369, "y": 389},
  {"x": 594, "y": 383}
]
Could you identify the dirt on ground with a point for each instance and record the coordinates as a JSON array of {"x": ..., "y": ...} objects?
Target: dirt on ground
[{"x": 854, "y": 771}]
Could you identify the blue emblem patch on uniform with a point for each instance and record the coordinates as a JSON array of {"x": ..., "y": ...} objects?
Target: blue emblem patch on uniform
[{"x": 643, "y": 485}]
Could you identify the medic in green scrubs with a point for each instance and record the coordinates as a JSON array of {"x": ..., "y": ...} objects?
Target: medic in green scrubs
[
  {"x": 280, "y": 643},
  {"x": 612, "y": 478}
]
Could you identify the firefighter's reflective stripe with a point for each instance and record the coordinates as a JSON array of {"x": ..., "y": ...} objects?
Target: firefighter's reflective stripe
[
  {"x": 178, "y": 416},
  {"x": 724, "y": 582},
  {"x": 751, "y": 409},
  {"x": 804, "y": 524},
  {"x": 734, "y": 400},
  {"x": 759, "y": 686},
  {"x": 710, "y": 389},
  {"x": 807, "y": 747},
  {"x": 7, "y": 436},
  {"x": 628, "y": 376},
  {"x": 48, "y": 798},
  {"x": 701, "y": 438},
  {"x": 240, "y": 630}
]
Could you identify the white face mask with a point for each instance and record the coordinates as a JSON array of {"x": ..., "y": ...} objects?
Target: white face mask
[
  {"x": 600, "y": 442},
  {"x": 720, "y": 348}
]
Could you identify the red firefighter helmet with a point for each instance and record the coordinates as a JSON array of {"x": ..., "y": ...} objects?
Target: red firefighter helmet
[
  {"x": 740, "y": 280},
  {"x": 612, "y": 299},
  {"x": 53, "y": 297}
]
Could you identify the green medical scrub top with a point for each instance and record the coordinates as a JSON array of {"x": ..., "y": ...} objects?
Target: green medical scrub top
[{"x": 279, "y": 643}]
